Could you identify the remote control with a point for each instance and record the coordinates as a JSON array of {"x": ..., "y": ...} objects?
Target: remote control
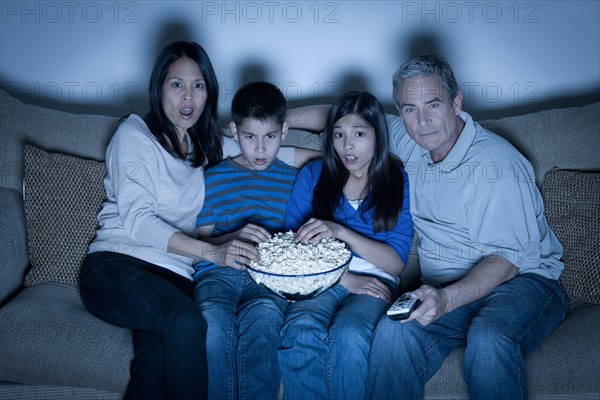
[{"x": 402, "y": 307}]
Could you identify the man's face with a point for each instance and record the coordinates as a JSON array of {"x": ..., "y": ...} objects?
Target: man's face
[
  {"x": 432, "y": 120},
  {"x": 259, "y": 141}
]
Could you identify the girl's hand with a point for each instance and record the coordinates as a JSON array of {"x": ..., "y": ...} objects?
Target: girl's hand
[
  {"x": 235, "y": 254},
  {"x": 316, "y": 229},
  {"x": 251, "y": 233},
  {"x": 369, "y": 285}
]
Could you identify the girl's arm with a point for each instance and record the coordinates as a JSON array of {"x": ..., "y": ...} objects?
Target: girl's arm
[{"x": 378, "y": 253}]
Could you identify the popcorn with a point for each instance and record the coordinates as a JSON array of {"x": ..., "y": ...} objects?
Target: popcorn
[
  {"x": 299, "y": 270},
  {"x": 282, "y": 256}
]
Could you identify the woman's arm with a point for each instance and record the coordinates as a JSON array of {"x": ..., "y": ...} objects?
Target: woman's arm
[
  {"x": 235, "y": 253},
  {"x": 250, "y": 233}
]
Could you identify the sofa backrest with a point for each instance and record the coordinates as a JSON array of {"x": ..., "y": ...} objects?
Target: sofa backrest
[
  {"x": 567, "y": 138},
  {"x": 82, "y": 135},
  {"x": 560, "y": 138}
]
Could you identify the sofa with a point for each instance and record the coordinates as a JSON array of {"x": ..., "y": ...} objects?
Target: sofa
[{"x": 51, "y": 190}]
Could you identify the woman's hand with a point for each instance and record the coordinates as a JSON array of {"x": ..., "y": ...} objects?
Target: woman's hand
[
  {"x": 238, "y": 250},
  {"x": 369, "y": 285},
  {"x": 232, "y": 253},
  {"x": 235, "y": 254},
  {"x": 316, "y": 229}
]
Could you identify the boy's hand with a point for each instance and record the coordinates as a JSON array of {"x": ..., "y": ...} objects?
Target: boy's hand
[
  {"x": 366, "y": 285},
  {"x": 252, "y": 234}
]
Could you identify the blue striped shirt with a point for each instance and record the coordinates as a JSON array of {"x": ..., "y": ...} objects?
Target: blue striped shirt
[{"x": 237, "y": 196}]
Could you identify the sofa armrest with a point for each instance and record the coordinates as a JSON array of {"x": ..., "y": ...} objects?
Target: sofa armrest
[{"x": 14, "y": 258}]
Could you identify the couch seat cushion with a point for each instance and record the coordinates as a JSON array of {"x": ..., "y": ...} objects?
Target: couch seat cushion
[
  {"x": 47, "y": 337},
  {"x": 564, "y": 366}
]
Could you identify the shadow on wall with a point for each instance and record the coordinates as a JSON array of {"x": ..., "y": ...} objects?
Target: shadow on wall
[
  {"x": 258, "y": 70},
  {"x": 131, "y": 99},
  {"x": 141, "y": 106},
  {"x": 424, "y": 42},
  {"x": 326, "y": 93}
]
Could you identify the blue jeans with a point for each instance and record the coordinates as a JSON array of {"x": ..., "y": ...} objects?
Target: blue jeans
[
  {"x": 498, "y": 331},
  {"x": 244, "y": 321},
  {"x": 325, "y": 344},
  {"x": 169, "y": 331}
]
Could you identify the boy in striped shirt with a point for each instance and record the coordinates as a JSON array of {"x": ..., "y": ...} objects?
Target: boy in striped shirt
[{"x": 246, "y": 198}]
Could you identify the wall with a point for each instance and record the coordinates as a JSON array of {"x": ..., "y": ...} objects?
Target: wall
[{"x": 508, "y": 56}]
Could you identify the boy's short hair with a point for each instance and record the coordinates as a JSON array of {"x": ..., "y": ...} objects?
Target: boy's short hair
[{"x": 262, "y": 101}]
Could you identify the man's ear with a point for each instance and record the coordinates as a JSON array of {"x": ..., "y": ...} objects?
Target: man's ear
[
  {"x": 284, "y": 129},
  {"x": 396, "y": 100},
  {"x": 457, "y": 104},
  {"x": 234, "y": 131}
]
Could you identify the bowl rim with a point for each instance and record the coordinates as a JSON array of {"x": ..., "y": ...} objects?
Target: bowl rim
[{"x": 347, "y": 263}]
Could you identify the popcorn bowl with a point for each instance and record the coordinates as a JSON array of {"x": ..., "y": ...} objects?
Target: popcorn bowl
[
  {"x": 301, "y": 286},
  {"x": 299, "y": 271}
]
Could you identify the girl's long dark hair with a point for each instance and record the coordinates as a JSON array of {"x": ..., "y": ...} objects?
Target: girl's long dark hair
[
  {"x": 385, "y": 181},
  {"x": 205, "y": 134}
]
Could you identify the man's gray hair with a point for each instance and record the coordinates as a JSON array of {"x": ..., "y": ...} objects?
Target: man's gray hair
[{"x": 426, "y": 65}]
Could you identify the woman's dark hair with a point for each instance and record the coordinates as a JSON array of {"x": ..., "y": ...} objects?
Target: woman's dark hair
[
  {"x": 385, "y": 181},
  {"x": 205, "y": 134}
]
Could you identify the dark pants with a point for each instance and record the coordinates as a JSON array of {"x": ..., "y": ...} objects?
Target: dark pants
[{"x": 169, "y": 330}]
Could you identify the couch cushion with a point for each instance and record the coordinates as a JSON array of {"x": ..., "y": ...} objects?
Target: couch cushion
[
  {"x": 15, "y": 391},
  {"x": 564, "y": 138},
  {"x": 13, "y": 240},
  {"x": 565, "y": 365},
  {"x": 572, "y": 201},
  {"x": 82, "y": 135},
  {"x": 63, "y": 195},
  {"x": 47, "y": 337}
]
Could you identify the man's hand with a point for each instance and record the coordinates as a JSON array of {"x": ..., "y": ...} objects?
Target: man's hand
[
  {"x": 486, "y": 275},
  {"x": 366, "y": 285},
  {"x": 434, "y": 304}
]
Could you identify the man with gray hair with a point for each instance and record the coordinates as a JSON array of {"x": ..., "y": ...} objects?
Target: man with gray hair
[{"x": 489, "y": 261}]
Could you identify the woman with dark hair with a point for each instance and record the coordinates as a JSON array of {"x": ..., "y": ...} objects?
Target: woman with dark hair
[
  {"x": 357, "y": 194},
  {"x": 139, "y": 268}
]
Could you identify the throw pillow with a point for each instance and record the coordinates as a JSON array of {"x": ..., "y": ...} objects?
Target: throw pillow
[
  {"x": 572, "y": 204},
  {"x": 62, "y": 197}
]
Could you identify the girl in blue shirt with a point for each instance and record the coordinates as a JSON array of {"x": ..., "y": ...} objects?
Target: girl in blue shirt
[{"x": 358, "y": 194}]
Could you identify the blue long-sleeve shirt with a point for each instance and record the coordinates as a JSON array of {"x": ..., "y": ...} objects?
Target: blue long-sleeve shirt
[{"x": 299, "y": 210}]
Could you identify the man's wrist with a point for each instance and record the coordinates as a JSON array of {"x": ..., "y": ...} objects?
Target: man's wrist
[{"x": 447, "y": 298}]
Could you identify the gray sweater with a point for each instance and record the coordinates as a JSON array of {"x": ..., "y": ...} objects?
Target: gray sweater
[{"x": 150, "y": 196}]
